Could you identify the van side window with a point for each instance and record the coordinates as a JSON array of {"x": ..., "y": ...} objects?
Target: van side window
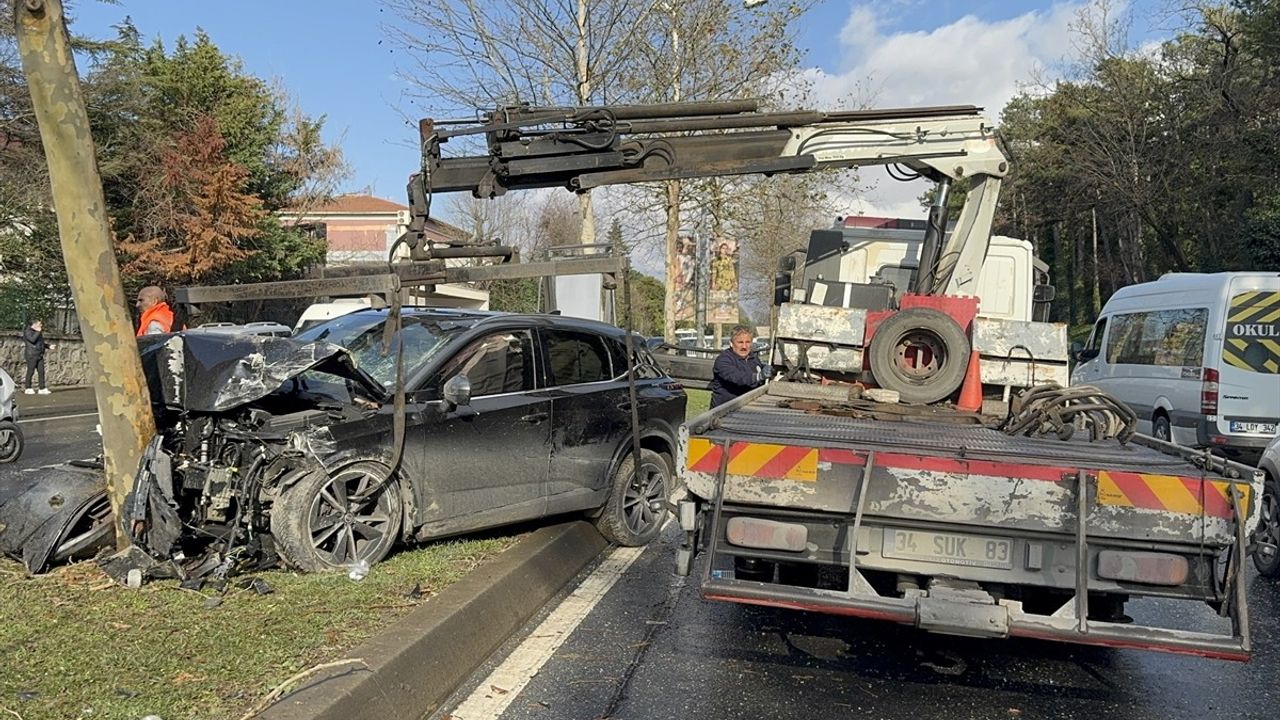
[
  {"x": 1183, "y": 337},
  {"x": 1095, "y": 337},
  {"x": 1170, "y": 338}
]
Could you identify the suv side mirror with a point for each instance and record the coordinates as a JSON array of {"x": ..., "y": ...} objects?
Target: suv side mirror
[{"x": 457, "y": 391}]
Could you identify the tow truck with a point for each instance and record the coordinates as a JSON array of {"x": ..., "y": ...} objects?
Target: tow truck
[{"x": 853, "y": 483}]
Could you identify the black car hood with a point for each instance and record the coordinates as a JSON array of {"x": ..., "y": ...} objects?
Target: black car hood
[{"x": 207, "y": 372}]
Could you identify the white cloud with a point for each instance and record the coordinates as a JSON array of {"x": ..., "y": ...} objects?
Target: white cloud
[{"x": 968, "y": 62}]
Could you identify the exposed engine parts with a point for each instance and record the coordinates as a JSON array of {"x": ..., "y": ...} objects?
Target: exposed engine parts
[{"x": 1054, "y": 410}]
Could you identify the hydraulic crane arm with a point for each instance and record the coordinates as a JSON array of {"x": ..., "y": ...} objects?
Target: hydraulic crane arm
[{"x": 586, "y": 147}]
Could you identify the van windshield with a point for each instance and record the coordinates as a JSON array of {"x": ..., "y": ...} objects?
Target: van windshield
[{"x": 361, "y": 333}]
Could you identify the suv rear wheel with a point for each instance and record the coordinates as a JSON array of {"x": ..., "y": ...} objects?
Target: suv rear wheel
[
  {"x": 333, "y": 521},
  {"x": 637, "y": 505}
]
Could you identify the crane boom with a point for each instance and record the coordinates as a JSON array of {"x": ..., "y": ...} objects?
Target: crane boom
[{"x": 580, "y": 148}]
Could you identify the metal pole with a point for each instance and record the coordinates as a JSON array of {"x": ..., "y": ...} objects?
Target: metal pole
[
  {"x": 124, "y": 404},
  {"x": 633, "y": 401}
]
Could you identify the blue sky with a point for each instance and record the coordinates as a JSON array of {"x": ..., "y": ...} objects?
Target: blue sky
[{"x": 896, "y": 52}]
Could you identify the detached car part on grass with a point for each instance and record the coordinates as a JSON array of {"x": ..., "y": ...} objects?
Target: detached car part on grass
[{"x": 55, "y": 515}]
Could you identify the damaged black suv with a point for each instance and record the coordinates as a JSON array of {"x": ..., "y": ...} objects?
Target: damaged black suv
[{"x": 295, "y": 447}]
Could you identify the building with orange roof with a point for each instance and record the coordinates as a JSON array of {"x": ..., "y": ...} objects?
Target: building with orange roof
[{"x": 361, "y": 228}]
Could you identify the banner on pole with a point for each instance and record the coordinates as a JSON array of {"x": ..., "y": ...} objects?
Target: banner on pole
[{"x": 722, "y": 291}]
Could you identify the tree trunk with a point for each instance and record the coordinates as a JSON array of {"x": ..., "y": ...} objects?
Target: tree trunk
[
  {"x": 1110, "y": 264},
  {"x": 1097, "y": 290},
  {"x": 120, "y": 388}
]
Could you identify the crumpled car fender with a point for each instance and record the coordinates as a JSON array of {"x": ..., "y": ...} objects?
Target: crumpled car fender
[{"x": 55, "y": 513}]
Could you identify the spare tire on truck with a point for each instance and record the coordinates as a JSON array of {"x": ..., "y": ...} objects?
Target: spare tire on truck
[{"x": 922, "y": 353}]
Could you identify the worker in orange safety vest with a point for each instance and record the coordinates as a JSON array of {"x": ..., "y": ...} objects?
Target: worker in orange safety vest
[{"x": 156, "y": 315}]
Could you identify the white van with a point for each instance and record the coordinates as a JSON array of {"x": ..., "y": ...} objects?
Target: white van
[
  {"x": 317, "y": 313},
  {"x": 1196, "y": 356}
]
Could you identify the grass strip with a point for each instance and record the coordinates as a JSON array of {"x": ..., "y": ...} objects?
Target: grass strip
[{"x": 76, "y": 645}]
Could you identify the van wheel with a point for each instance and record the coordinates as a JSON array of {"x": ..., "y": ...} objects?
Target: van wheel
[
  {"x": 637, "y": 506},
  {"x": 1160, "y": 427},
  {"x": 1269, "y": 530}
]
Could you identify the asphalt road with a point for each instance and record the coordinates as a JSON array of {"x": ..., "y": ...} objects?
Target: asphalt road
[
  {"x": 652, "y": 648},
  {"x": 53, "y": 438}
]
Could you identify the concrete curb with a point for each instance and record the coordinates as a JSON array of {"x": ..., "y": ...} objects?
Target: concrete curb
[{"x": 414, "y": 665}]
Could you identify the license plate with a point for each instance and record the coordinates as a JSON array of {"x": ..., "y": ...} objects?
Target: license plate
[
  {"x": 948, "y": 548},
  {"x": 1257, "y": 428}
]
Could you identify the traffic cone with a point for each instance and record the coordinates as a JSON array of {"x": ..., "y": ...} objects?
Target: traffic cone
[{"x": 971, "y": 390}]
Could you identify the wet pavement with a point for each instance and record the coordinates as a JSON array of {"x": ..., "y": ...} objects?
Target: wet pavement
[
  {"x": 56, "y": 427},
  {"x": 652, "y": 648}
]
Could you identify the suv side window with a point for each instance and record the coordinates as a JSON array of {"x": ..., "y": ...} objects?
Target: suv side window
[
  {"x": 495, "y": 364},
  {"x": 646, "y": 366},
  {"x": 575, "y": 357}
]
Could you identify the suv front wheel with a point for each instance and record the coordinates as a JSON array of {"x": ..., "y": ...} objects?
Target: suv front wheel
[
  {"x": 637, "y": 505},
  {"x": 332, "y": 521}
]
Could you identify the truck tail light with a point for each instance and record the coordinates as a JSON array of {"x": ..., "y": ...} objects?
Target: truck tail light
[
  {"x": 766, "y": 534},
  {"x": 1209, "y": 392},
  {"x": 1147, "y": 568}
]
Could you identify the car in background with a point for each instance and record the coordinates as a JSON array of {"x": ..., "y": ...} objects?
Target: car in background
[
  {"x": 268, "y": 329},
  {"x": 1268, "y": 563}
]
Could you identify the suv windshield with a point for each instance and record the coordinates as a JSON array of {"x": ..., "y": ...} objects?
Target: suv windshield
[{"x": 361, "y": 333}]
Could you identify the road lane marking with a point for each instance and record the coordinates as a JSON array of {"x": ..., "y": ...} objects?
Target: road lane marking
[
  {"x": 511, "y": 677},
  {"x": 57, "y": 417}
]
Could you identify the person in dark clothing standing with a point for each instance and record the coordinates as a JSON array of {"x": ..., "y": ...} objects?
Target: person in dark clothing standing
[
  {"x": 33, "y": 349},
  {"x": 737, "y": 369}
]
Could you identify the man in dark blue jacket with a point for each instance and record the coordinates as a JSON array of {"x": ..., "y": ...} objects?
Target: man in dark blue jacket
[{"x": 737, "y": 369}]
